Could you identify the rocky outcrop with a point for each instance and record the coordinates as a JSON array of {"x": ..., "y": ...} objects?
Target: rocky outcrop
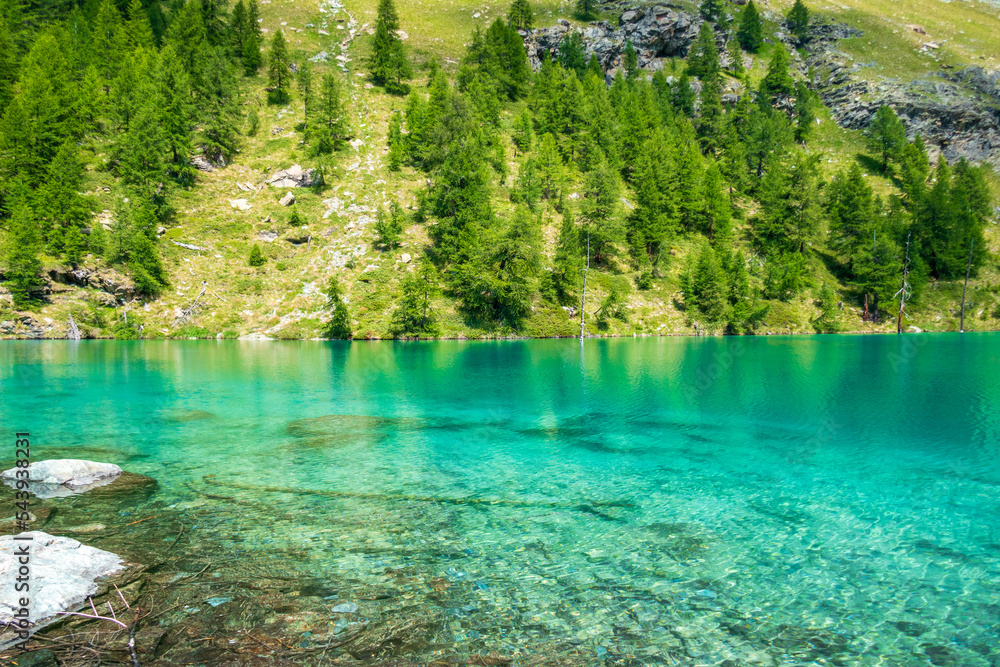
[
  {"x": 106, "y": 280},
  {"x": 293, "y": 177},
  {"x": 655, "y": 32},
  {"x": 958, "y": 114},
  {"x": 64, "y": 573}
]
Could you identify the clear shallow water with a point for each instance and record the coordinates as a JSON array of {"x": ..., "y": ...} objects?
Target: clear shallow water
[{"x": 807, "y": 500}]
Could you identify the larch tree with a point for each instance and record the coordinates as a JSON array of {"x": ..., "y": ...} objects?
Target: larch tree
[
  {"x": 279, "y": 73},
  {"x": 751, "y": 30},
  {"x": 520, "y": 16}
]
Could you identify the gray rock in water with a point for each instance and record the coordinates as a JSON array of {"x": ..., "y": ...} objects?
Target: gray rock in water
[
  {"x": 346, "y": 608},
  {"x": 57, "y": 478},
  {"x": 63, "y": 574}
]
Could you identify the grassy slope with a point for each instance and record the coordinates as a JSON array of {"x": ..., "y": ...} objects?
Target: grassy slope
[{"x": 282, "y": 299}]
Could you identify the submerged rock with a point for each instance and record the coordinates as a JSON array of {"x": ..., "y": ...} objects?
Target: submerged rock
[
  {"x": 64, "y": 573},
  {"x": 347, "y": 429}
]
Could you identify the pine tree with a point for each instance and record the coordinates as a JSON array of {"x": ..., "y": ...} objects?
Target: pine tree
[
  {"x": 886, "y": 135},
  {"x": 138, "y": 32},
  {"x": 735, "y": 58},
  {"x": 550, "y": 168},
  {"x": 712, "y": 10},
  {"x": 565, "y": 276},
  {"x": 339, "y": 325},
  {"x": 599, "y": 212},
  {"x": 497, "y": 281},
  {"x": 279, "y": 73},
  {"x": 415, "y": 316},
  {"x": 683, "y": 96},
  {"x": 630, "y": 61},
  {"x": 703, "y": 58},
  {"x": 389, "y": 228},
  {"x": 142, "y": 150},
  {"x": 914, "y": 168},
  {"x": 250, "y": 49},
  {"x": 177, "y": 115},
  {"x": 851, "y": 207},
  {"x": 240, "y": 27},
  {"x": 305, "y": 81},
  {"x": 586, "y": 10},
  {"x": 798, "y": 22},
  {"x": 23, "y": 273},
  {"x": 387, "y": 62},
  {"x": 805, "y": 111},
  {"x": 330, "y": 125},
  {"x": 827, "y": 303},
  {"x": 778, "y": 83},
  {"x": 524, "y": 134},
  {"x": 716, "y": 213},
  {"x": 64, "y": 209},
  {"x": 256, "y": 256},
  {"x": 520, "y": 15},
  {"x": 220, "y": 110},
  {"x": 705, "y": 286},
  {"x": 571, "y": 53},
  {"x": 711, "y": 117},
  {"x": 751, "y": 30},
  {"x": 529, "y": 186}
]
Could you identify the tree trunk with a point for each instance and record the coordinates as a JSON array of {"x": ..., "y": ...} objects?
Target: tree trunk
[
  {"x": 583, "y": 297},
  {"x": 968, "y": 269}
]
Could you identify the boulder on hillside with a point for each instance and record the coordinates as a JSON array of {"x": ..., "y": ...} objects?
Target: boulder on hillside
[
  {"x": 64, "y": 573},
  {"x": 293, "y": 177}
]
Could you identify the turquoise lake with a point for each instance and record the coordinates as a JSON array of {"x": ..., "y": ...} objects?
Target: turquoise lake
[{"x": 706, "y": 501}]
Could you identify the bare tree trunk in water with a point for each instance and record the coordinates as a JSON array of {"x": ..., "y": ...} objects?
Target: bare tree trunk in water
[
  {"x": 583, "y": 297},
  {"x": 968, "y": 269},
  {"x": 904, "y": 290}
]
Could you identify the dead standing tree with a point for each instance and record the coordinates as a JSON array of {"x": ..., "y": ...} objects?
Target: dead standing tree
[{"x": 904, "y": 290}]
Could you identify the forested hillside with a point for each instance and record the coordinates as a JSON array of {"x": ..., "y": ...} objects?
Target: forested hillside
[{"x": 292, "y": 170}]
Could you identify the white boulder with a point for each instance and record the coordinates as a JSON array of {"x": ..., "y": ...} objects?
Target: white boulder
[
  {"x": 63, "y": 573},
  {"x": 63, "y": 477}
]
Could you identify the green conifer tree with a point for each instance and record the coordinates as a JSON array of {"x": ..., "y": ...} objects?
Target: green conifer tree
[
  {"x": 751, "y": 30},
  {"x": 703, "y": 58},
  {"x": 886, "y": 135},
  {"x": 630, "y": 61},
  {"x": 798, "y": 22},
  {"x": 600, "y": 212},
  {"x": 568, "y": 260},
  {"x": 520, "y": 15},
  {"x": 415, "y": 316},
  {"x": 331, "y": 125},
  {"x": 23, "y": 268},
  {"x": 256, "y": 256},
  {"x": 712, "y": 10},
  {"x": 586, "y": 10},
  {"x": 339, "y": 325},
  {"x": 279, "y": 73},
  {"x": 387, "y": 61},
  {"x": 778, "y": 83},
  {"x": 735, "y": 58},
  {"x": 389, "y": 228}
]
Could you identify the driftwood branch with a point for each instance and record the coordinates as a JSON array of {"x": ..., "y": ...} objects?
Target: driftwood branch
[
  {"x": 131, "y": 628},
  {"x": 187, "y": 312}
]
